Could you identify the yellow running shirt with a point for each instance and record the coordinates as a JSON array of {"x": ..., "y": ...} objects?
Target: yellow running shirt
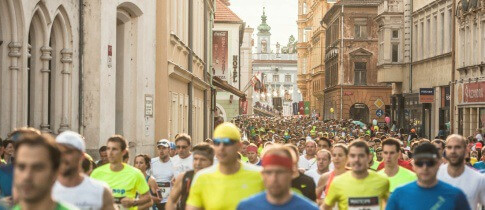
[
  {"x": 124, "y": 183},
  {"x": 402, "y": 177},
  {"x": 213, "y": 190},
  {"x": 353, "y": 194}
]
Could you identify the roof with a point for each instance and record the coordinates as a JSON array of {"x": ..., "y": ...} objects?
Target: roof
[
  {"x": 275, "y": 61},
  {"x": 224, "y": 14}
]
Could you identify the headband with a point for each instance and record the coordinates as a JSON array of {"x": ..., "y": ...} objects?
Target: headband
[
  {"x": 252, "y": 149},
  {"x": 278, "y": 161}
]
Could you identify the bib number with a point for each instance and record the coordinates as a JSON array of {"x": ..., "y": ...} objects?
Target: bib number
[
  {"x": 366, "y": 203},
  {"x": 117, "y": 201},
  {"x": 164, "y": 189}
]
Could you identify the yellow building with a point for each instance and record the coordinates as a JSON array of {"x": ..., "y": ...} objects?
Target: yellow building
[{"x": 311, "y": 52}]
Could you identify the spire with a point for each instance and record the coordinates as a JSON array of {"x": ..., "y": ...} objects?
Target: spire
[{"x": 264, "y": 28}]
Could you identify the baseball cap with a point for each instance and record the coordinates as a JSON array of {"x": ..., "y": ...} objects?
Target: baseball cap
[
  {"x": 173, "y": 146},
  {"x": 72, "y": 139},
  {"x": 164, "y": 143}
]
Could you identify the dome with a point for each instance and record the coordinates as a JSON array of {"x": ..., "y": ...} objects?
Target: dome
[{"x": 264, "y": 28}]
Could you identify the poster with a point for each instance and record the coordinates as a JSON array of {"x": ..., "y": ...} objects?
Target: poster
[
  {"x": 220, "y": 53},
  {"x": 301, "y": 108},
  {"x": 243, "y": 106},
  {"x": 307, "y": 107}
]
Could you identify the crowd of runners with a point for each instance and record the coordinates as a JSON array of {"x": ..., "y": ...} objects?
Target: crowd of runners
[{"x": 250, "y": 163}]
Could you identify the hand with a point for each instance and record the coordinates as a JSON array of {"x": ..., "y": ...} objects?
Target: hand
[
  {"x": 7, "y": 200},
  {"x": 127, "y": 202}
]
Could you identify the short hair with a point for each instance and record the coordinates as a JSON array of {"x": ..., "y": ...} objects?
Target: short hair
[
  {"x": 326, "y": 140},
  {"x": 279, "y": 148},
  {"x": 18, "y": 132},
  {"x": 146, "y": 158},
  {"x": 245, "y": 142},
  {"x": 183, "y": 137},
  {"x": 325, "y": 152},
  {"x": 294, "y": 151},
  {"x": 360, "y": 144},
  {"x": 102, "y": 149},
  {"x": 120, "y": 140},
  {"x": 46, "y": 141},
  {"x": 456, "y": 136},
  {"x": 7, "y": 142},
  {"x": 343, "y": 147},
  {"x": 440, "y": 142},
  {"x": 391, "y": 142},
  {"x": 87, "y": 164},
  {"x": 204, "y": 149},
  {"x": 126, "y": 156},
  {"x": 426, "y": 148}
]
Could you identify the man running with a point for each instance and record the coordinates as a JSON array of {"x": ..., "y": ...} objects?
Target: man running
[
  {"x": 427, "y": 192},
  {"x": 203, "y": 157},
  {"x": 455, "y": 173},
  {"x": 163, "y": 171},
  {"x": 308, "y": 161},
  {"x": 235, "y": 180},
  {"x": 323, "y": 162},
  {"x": 277, "y": 175},
  {"x": 183, "y": 161},
  {"x": 252, "y": 153},
  {"x": 103, "y": 155},
  {"x": 72, "y": 186},
  {"x": 359, "y": 188},
  {"x": 36, "y": 167},
  {"x": 124, "y": 180},
  {"x": 397, "y": 175}
]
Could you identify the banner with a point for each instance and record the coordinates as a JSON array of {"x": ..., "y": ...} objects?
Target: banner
[
  {"x": 307, "y": 107},
  {"x": 426, "y": 95},
  {"x": 474, "y": 92},
  {"x": 219, "y": 54},
  {"x": 243, "y": 106},
  {"x": 301, "y": 108}
]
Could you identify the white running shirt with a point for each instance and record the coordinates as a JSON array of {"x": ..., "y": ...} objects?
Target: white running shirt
[
  {"x": 182, "y": 165},
  {"x": 163, "y": 174},
  {"x": 307, "y": 164},
  {"x": 87, "y": 195}
]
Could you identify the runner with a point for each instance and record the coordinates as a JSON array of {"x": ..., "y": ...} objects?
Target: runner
[
  {"x": 124, "y": 180},
  {"x": 323, "y": 162},
  {"x": 235, "y": 181},
  {"x": 277, "y": 175},
  {"x": 142, "y": 162},
  {"x": 183, "y": 161},
  {"x": 480, "y": 165},
  {"x": 427, "y": 192},
  {"x": 339, "y": 159},
  {"x": 308, "y": 161},
  {"x": 252, "y": 152},
  {"x": 163, "y": 171},
  {"x": 36, "y": 168},
  {"x": 72, "y": 186},
  {"x": 360, "y": 187},
  {"x": 103, "y": 154},
  {"x": 397, "y": 175},
  {"x": 203, "y": 158},
  {"x": 455, "y": 173},
  {"x": 301, "y": 183}
]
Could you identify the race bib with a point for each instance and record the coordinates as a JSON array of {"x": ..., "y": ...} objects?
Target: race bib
[
  {"x": 365, "y": 203},
  {"x": 164, "y": 189},
  {"x": 117, "y": 201}
]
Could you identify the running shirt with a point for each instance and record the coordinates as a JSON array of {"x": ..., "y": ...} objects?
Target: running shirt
[
  {"x": 91, "y": 190},
  {"x": 480, "y": 166},
  {"x": 471, "y": 182},
  {"x": 313, "y": 173},
  {"x": 184, "y": 194},
  {"x": 353, "y": 194},
  {"x": 59, "y": 206},
  {"x": 259, "y": 201},
  {"x": 304, "y": 185},
  {"x": 163, "y": 174},
  {"x": 375, "y": 165},
  {"x": 213, "y": 190},
  {"x": 402, "y": 177},
  {"x": 181, "y": 165},
  {"x": 6, "y": 180},
  {"x": 307, "y": 164},
  {"x": 124, "y": 183},
  {"x": 400, "y": 162},
  {"x": 440, "y": 197}
]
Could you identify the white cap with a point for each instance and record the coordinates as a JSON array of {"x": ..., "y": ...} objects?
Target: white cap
[
  {"x": 72, "y": 139},
  {"x": 164, "y": 143}
]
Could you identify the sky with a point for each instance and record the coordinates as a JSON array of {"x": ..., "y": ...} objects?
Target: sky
[{"x": 282, "y": 17}]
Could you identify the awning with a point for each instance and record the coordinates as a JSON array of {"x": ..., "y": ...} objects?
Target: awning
[{"x": 218, "y": 82}]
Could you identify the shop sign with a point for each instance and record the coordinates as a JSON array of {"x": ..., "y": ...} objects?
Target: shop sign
[
  {"x": 426, "y": 95},
  {"x": 243, "y": 106},
  {"x": 359, "y": 106},
  {"x": 474, "y": 92}
]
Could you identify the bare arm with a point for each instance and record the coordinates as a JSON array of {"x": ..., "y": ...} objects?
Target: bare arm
[
  {"x": 154, "y": 188},
  {"x": 189, "y": 207},
  {"x": 108, "y": 201},
  {"x": 322, "y": 182},
  {"x": 174, "y": 196},
  {"x": 145, "y": 201},
  {"x": 326, "y": 207}
]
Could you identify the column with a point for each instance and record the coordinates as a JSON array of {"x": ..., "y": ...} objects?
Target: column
[
  {"x": 14, "y": 54},
  {"x": 66, "y": 61},
  {"x": 45, "y": 58}
]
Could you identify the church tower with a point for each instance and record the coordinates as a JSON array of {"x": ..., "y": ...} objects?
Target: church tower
[{"x": 264, "y": 36}]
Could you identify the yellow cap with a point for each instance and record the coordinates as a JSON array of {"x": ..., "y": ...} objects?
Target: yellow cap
[{"x": 227, "y": 130}]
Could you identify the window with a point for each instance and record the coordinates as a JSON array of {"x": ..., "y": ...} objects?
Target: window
[
  {"x": 276, "y": 78},
  {"x": 395, "y": 34},
  {"x": 360, "y": 73},
  {"x": 442, "y": 32},
  {"x": 263, "y": 77},
  {"x": 360, "y": 28},
  {"x": 395, "y": 52},
  {"x": 428, "y": 38},
  {"x": 483, "y": 40},
  {"x": 287, "y": 78}
]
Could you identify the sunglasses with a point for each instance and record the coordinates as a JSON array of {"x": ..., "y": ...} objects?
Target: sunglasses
[
  {"x": 428, "y": 163},
  {"x": 182, "y": 147},
  {"x": 224, "y": 141}
]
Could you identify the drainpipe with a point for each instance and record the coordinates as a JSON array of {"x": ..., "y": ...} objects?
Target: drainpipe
[
  {"x": 411, "y": 52},
  {"x": 206, "y": 60},
  {"x": 342, "y": 65},
  {"x": 190, "y": 66},
  {"x": 452, "y": 83},
  {"x": 81, "y": 70}
]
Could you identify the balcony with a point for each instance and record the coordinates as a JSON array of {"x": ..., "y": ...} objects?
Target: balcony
[
  {"x": 390, "y": 73},
  {"x": 390, "y": 6}
]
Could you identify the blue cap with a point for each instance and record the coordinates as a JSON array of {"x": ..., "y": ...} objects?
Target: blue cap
[{"x": 172, "y": 145}]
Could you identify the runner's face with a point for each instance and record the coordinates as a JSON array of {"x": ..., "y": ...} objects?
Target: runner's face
[
  {"x": 227, "y": 154},
  {"x": 323, "y": 145},
  {"x": 455, "y": 152},
  {"x": 163, "y": 152},
  {"x": 440, "y": 148},
  {"x": 104, "y": 156},
  {"x": 323, "y": 161},
  {"x": 70, "y": 161},
  {"x": 427, "y": 174},
  {"x": 9, "y": 150},
  {"x": 183, "y": 149},
  {"x": 339, "y": 158},
  {"x": 277, "y": 180},
  {"x": 252, "y": 156},
  {"x": 140, "y": 163},
  {"x": 115, "y": 154},
  {"x": 310, "y": 148},
  {"x": 34, "y": 175},
  {"x": 390, "y": 155},
  {"x": 358, "y": 159},
  {"x": 201, "y": 162}
]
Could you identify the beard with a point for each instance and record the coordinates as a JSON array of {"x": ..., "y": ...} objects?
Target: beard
[
  {"x": 69, "y": 171},
  {"x": 458, "y": 162}
]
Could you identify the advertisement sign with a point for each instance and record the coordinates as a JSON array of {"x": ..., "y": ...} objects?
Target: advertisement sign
[
  {"x": 220, "y": 53},
  {"x": 301, "y": 107},
  {"x": 426, "y": 95},
  {"x": 307, "y": 107},
  {"x": 474, "y": 92},
  {"x": 243, "y": 106}
]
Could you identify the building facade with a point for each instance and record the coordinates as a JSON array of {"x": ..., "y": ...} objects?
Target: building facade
[
  {"x": 470, "y": 65},
  {"x": 415, "y": 45},
  {"x": 351, "y": 87}
]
